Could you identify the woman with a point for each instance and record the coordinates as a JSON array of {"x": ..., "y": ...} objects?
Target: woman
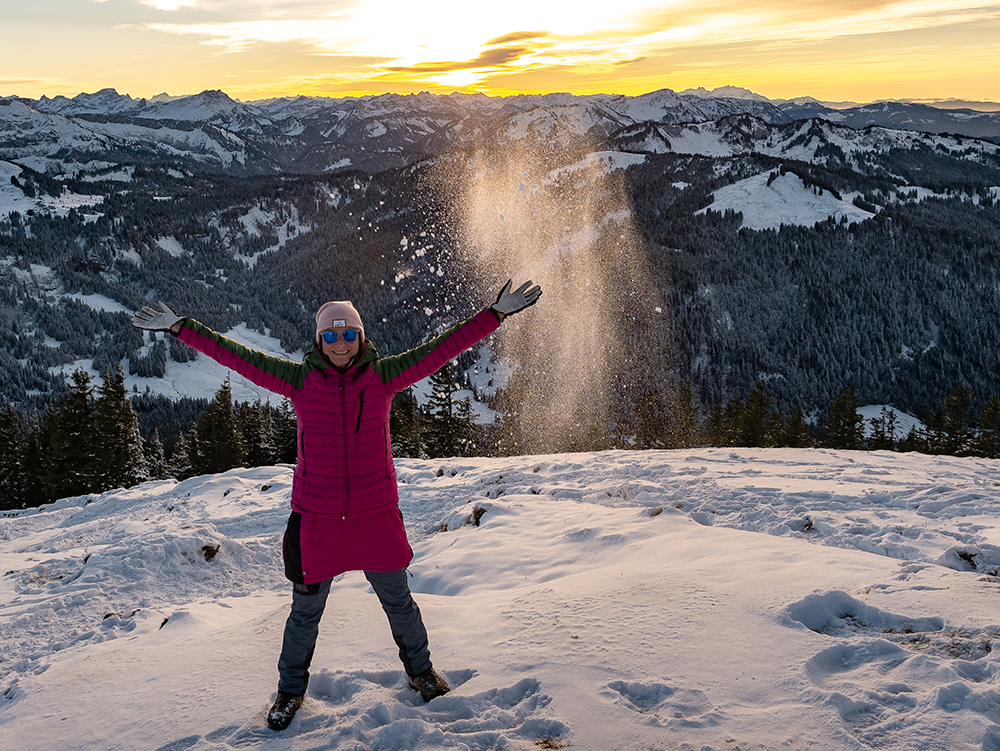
[{"x": 345, "y": 514}]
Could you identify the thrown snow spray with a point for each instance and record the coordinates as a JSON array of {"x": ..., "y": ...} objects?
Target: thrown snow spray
[{"x": 577, "y": 352}]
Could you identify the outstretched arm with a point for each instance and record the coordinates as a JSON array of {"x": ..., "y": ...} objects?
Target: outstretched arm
[
  {"x": 272, "y": 373},
  {"x": 406, "y": 369}
]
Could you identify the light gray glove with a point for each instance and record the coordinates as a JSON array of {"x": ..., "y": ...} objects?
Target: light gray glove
[
  {"x": 509, "y": 302},
  {"x": 156, "y": 319}
]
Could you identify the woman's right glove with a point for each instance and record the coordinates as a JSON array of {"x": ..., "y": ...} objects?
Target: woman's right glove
[
  {"x": 509, "y": 302},
  {"x": 153, "y": 319}
]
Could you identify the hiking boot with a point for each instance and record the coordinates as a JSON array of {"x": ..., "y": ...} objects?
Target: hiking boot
[
  {"x": 429, "y": 684},
  {"x": 283, "y": 710}
]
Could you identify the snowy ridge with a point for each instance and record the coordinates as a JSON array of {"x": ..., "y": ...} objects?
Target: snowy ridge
[
  {"x": 768, "y": 204},
  {"x": 710, "y": 599},
  {"x": 317, "y": 134},
  {"x": 803, "y": 140},
  {"x": 13, "y": 199}
]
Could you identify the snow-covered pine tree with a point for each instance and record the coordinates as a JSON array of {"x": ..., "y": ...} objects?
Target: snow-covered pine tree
[
  {"x": 883, "y": 431},
  {"x": 405, "y": 425},
  {"x": 11, "y": 480},
  {"x": 179, "y": 465},
  {"x": 70, "y": 447},
  {"x": 285, "y": 434},
  {"x": 121, "y": 462},
  {"x": 257, "y": 430},
  {"x": 218, "y": 442},
  {"x": 156, "y": 460},
  {"x": 441, "y": 431}
]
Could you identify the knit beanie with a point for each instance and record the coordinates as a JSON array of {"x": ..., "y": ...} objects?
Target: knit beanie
[{"x": 339, "y": 314}]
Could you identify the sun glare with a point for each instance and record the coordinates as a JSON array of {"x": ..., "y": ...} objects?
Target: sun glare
[
  {"x": 461, "y": 79},
  {"x": 628, "y": 46}
]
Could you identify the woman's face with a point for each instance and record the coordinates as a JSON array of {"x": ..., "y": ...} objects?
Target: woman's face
[{"x": 341, "y": 351}]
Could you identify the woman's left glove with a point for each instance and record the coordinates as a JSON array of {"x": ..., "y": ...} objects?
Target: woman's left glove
[
  {"x": 156, "y": 319},
  {"x": 509, "y": 302}
]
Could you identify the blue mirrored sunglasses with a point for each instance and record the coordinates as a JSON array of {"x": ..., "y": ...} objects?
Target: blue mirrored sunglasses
[{"x": 349, "y": 335}]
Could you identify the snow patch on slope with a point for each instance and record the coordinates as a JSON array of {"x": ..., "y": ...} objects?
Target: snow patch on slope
[{"x": 786, "y": 200}]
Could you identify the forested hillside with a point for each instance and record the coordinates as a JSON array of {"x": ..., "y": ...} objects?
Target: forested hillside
[{"x": 889, "y": 286}]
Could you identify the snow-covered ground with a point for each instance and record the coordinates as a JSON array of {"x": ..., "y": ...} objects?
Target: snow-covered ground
[
  {"x": 708, "y": 599},
  {"x": 14, "y": 200},
  {"x": 904, "y": 422},
  {"x": 768, "y": 204}
]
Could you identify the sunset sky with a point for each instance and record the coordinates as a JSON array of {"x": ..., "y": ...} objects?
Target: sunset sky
[{"x": 856, "y": 50}]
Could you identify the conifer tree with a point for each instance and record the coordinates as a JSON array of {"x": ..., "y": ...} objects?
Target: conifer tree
[
  {"x": 883, "y": 431},
  {"x": 723, "y": 423},
  {"x": 70, "y": 442},
  {"x": 683, "y": 425},
  {"x": 843, "y": 427},
  {"x": 156, "y": 460},
  {"x": 405, "y": 425},
  {"x": 948, "y": 426},
  {"x": 988, "y": 440},
  {"x": 121, "y": 462},
  {"x": 257, "y": 431},
  {"x": 915, "y": 440},
  {"x": 441, "y": 426},
  {"x": 11, "y": 479},
  {"x": 796, "y": 433},
  {"x": 758, "y": 425},
  {"x": 650, "y": 425},
  {"x": 285, "y": 431},
  {"x": 31, "y": 457},
  {"x": 217, "y": 443},
  {"x": 179, "y": 465},
  {"x": 466, "y": 434}
]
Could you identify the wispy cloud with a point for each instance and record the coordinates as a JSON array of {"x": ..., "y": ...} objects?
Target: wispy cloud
[
  {"x": 239, "y": 35},
  {"x": 449, "y": 42},
  {"x": 170, "y": 4},
  {"x": 488, "y": 59},
  {"x": 518, "y": 36},
  {"x": 635, "y": 27}
]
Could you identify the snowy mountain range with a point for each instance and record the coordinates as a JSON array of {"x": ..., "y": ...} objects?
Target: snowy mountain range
[
  {"x": 302, "y": 134},
  {"x": 250, "y": 215}
]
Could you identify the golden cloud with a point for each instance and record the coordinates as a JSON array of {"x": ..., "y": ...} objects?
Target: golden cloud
[
  {"x": 489, "y": 59},
  {"x": 517, "y": 36}
]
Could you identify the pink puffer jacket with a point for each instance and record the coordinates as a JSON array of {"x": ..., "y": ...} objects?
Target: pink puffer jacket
[{"x": 344, "y": 486}]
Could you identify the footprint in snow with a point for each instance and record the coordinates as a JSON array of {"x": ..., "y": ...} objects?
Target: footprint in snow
[
  {"x": 892, "y": 677},
  {"x": 665, "y": 706},
  {"x": 360, "y": 710}
]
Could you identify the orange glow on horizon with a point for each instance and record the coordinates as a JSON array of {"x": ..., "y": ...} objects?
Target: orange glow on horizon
[{"x": 857, "y": 50}]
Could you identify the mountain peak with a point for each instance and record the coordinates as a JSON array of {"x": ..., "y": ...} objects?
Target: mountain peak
[{"x": 725, "y": 92}]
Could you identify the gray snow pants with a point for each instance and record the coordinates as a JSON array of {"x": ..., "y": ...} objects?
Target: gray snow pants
[{"x": 302, "y": 628}]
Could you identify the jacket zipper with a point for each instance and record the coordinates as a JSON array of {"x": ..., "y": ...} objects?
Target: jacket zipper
[
  {"x": 360, "y": 410},
  {"x": 343, "y": 430}
]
